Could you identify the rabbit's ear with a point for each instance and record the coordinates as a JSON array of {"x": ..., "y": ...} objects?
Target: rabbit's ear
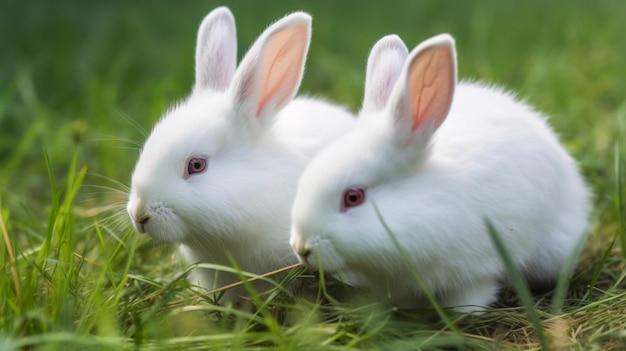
[
  {"x": 384, "y": 66},
  {"x": 269, "y": 75},
  {"x": 216, "y": 50},
  {"x": 423, "y": 94}
]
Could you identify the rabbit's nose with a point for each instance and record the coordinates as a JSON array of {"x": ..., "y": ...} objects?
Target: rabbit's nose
[
  {"x": 137, "y": 213},
  {"x": 304, "y": 254},
  {"x": 142, "y": 221}
]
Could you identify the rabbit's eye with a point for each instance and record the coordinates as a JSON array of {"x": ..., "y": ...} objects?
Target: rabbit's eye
[
  {"x": 195, "y": 165},
  {"x": 353, "y": 196}
]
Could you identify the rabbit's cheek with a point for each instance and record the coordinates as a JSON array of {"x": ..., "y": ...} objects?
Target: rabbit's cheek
[
  {"x": 156, "y": 219},
  {"x": 313, "y": 251},
  {"x": 167, "y": 227},
  {"x": 324, "y": 255}
]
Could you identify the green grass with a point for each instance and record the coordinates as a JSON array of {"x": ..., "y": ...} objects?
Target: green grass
[{"x": 82, "y": 82}]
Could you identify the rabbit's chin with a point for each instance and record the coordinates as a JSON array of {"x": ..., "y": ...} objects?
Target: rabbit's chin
[
  {"x": 325, "y": 260},
  {"x": 172, "y": 230}
]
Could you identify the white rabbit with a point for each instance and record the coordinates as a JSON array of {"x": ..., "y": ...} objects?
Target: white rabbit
[
  {"x": 438, "y": 159},
  {"x": 219, "y": 171}
]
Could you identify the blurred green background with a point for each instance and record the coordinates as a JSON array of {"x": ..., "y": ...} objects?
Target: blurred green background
[
  {"x": 90, "y": 78},
  {"x": 79, "y": 74}
]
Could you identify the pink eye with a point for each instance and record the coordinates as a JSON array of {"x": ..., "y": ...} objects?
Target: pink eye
[
  {"x": 195, "y": 165},
  {"x": 352, "y": 197}
]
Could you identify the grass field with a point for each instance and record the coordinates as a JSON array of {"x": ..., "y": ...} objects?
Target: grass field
[{"x": 81, "y": 82}]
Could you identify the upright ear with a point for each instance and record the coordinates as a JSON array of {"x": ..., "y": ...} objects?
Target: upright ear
[
  {"x": 384, "y": 66},
  {"x": 269, "y": 75},
  {"x": 216, "y": 50},
  {"x": 423, "y": 94}
]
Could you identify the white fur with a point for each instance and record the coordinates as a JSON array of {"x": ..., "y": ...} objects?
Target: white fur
[
  {"x": 257, "y": 141},
  {"x": 493, "y": 158}
]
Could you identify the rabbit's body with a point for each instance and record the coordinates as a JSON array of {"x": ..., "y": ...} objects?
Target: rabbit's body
[
  {"x": 219, "y": 171},
  {"x": 493, "y": 158},
  {"x": 437, "y": 212}
]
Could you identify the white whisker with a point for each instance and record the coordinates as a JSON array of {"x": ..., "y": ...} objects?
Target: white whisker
[
  {"x": 131, "y": 121},
  {"x": 123, "y": 187}
]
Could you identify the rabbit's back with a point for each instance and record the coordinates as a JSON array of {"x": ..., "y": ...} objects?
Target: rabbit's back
[
  {"x": 509, "y": 163},
  {"x": 308, "y": 124}
]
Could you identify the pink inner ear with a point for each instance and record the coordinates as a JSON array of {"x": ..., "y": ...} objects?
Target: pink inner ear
[
  {"x": 431, "y": 86},
  {"x": 282, "y": 66}
]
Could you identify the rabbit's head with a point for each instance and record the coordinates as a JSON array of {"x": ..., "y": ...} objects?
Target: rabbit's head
[
  {"x": 202, "y": 164},
  {"x": 334, "y": 222}
]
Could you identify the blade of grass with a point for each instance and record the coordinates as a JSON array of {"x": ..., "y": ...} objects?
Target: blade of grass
[
  {"x": 323, "y": 284},
  {"x": 12, "y": 262},
  {"x": 45, "y": 248},
  {"x": 269, "y": 319},
  {"x": 65, "y": 270},
  {"x": 407, "y": 260},
  {"x": 252, "y": 279},
  {"x": 599, "y": 268},
  {"x": 562, "y": 284},
  {"x": 519, "y": 284},
  {"x": 619, "y": 198}
]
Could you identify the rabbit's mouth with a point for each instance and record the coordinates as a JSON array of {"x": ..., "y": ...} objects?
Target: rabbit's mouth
[
  {"x": 156, "y": 220},
  {"x": 140, "y": 224},
  {"x": 302, "y": 249}
]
